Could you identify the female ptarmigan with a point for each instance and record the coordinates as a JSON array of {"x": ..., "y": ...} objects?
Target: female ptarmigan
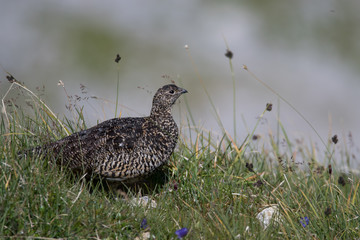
[{"x": 123, "y": 149}]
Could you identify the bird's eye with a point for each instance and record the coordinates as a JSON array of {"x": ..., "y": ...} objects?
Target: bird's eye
[{"x": 171, "y": 91}]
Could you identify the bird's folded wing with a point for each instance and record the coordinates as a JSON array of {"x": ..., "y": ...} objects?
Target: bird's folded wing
[{"x": 113, "y": 135}]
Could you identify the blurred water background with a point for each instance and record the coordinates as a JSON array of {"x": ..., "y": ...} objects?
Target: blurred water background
[{"x": 308, "y": 51}]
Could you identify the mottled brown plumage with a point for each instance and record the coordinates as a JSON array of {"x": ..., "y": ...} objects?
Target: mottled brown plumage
[{"x": 123, "y": 149}]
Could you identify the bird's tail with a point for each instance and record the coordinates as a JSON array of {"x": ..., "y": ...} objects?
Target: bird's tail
[{"x": 32, "y": 152}]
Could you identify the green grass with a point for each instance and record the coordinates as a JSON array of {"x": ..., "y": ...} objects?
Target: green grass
[{"x": 221, "y": 187}]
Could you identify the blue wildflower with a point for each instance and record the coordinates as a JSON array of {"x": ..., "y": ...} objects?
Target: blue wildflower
[
  {"x": 182, "y": 232},
  {"x": 143, "y": 224},
  {"x": 304, "y": 221}
]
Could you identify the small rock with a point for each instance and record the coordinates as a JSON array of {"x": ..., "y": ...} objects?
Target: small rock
[
  {"x": 143, "y": 236},
  {"x": 143, "y": 201},
  {"x": 266, "y": 215}
]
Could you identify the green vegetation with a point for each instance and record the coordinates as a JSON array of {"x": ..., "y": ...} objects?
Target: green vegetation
[{"x": 215, "y": 190}]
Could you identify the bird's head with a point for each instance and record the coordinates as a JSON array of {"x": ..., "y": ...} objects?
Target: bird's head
[{"x": 165, "y": 97}]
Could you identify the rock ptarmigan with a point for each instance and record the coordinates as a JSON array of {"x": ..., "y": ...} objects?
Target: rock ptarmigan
[{"x": 122, "y": 149}]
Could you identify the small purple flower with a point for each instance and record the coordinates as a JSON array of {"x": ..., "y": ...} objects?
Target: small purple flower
[
  {"x": 182, "y": 232},
  {"x": 304, "y": 221},
  {"x": 143, "y": 224}
]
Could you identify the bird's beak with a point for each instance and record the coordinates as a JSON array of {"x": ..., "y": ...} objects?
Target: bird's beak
[{"x": 182, "y": 91}]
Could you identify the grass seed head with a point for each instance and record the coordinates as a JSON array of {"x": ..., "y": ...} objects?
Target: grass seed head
[
  {"x": 269, "y": 107},
  {"x": 229, "y": 54},
  {"x": 341, "y": 181},
  {"x": 118, "y": 58},
  {"x": 335, "y": 139}
]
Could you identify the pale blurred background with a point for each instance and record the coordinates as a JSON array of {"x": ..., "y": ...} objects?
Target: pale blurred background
[{"x": 308, "y": 51}]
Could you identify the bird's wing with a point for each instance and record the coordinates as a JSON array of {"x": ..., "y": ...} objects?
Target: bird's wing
[
  {"x": 114, "y": 135},
  {"x": 121, "y": 134}
]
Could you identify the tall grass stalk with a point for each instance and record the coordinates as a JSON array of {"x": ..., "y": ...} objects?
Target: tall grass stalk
[
  {"x": 217, "y": 116},
  {"x": 288, "y": 103},
  {"x": 48, "y": 111},
  {"x": 117, "y": 89},
  {"x": 234, "y": 87},
  {"x": 234, "y": 98}
]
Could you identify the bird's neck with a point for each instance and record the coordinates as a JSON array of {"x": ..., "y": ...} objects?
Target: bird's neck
[
  {"x": 159, "y": 112},
  {"x": 164, "y": 120}
]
